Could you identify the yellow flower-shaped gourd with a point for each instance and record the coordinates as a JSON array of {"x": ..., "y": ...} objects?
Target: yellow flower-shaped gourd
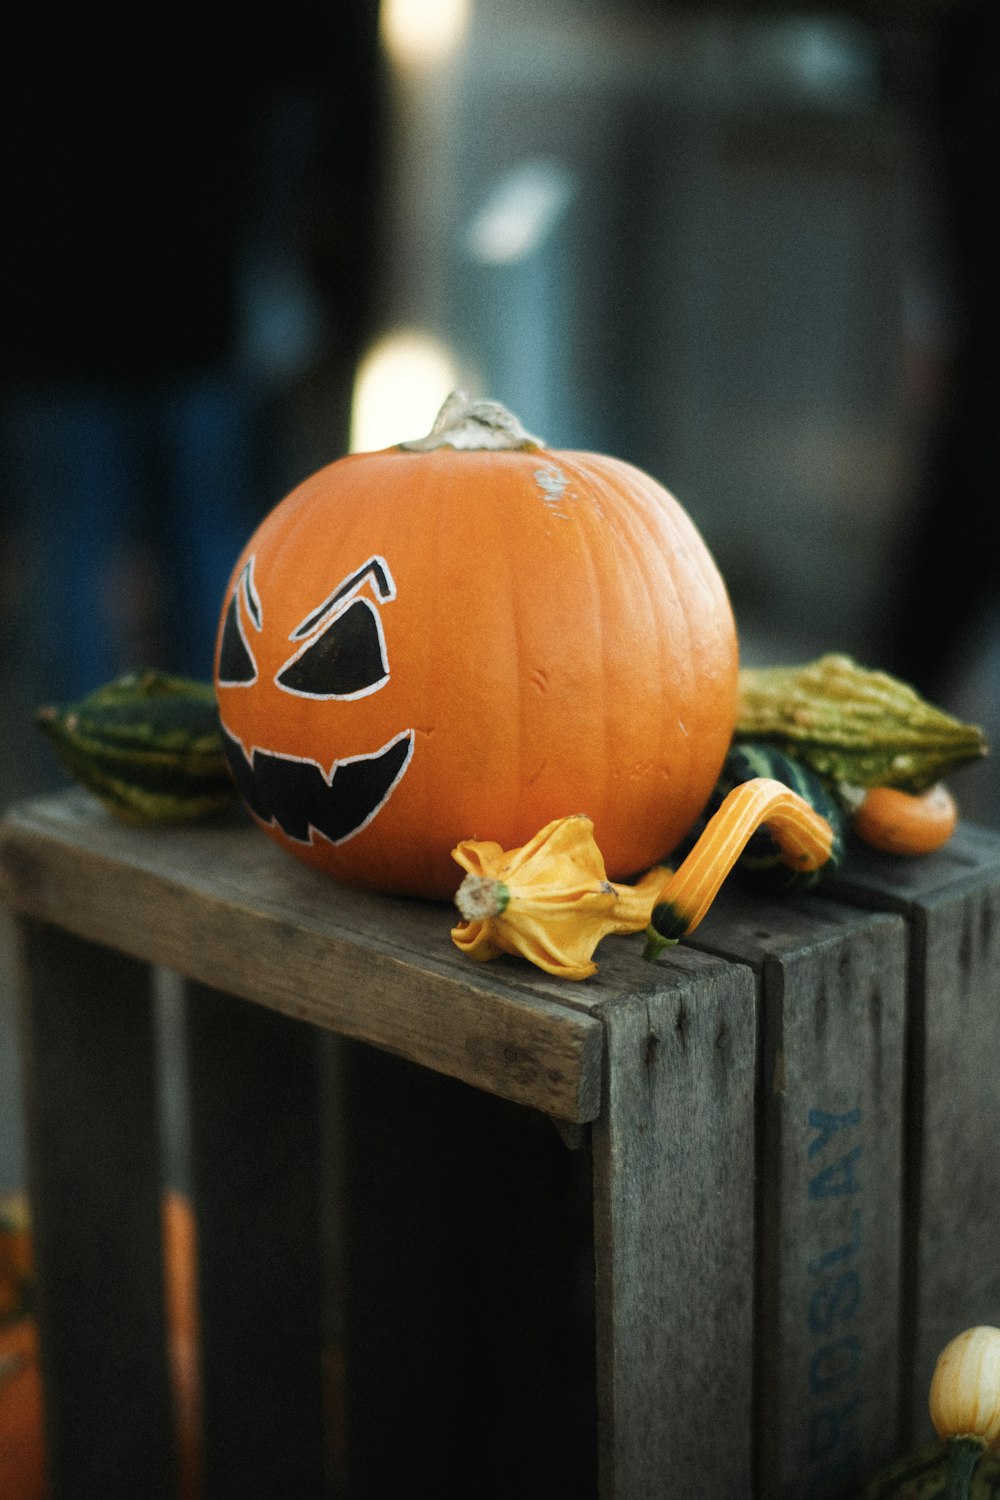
[
  {"x": 552, "y": 902},
  {"x": 549, "y": 901}
]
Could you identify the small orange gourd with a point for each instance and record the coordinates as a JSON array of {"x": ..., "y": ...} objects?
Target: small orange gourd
[
  {"x": 899, "y": 822},
  {"x": 472, "y": 635}
]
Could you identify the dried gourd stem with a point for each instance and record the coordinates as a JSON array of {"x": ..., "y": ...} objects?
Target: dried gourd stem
[
  {"x": 803, "y": 836},
  {"x": 473, "y": 426},
  {"x": 480, "y": 898}
]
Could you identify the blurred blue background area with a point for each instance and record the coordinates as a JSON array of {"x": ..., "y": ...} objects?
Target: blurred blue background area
[
  {"x": 180, "y": 228},
  {"x": 744, "y": 248}
]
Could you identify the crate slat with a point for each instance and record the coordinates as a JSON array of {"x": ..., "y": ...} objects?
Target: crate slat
[
  {"x": 829, "y": 1171},
  {"x": 87, "y": 1038},
  {"x": 951, "y": 902},
  {"x": 673, "y": 1228}
]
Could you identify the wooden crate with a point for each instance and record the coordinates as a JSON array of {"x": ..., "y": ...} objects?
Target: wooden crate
[{"x": 698, "y": 1226}]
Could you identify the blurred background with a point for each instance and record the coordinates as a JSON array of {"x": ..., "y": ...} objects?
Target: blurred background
[{"x": 745, "y": 247}]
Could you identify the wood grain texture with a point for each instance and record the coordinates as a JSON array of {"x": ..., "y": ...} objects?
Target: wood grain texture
[
  {"x": 829, "y": 1172},
  {"x": 221, "y": 905},
  {"x": 951, "y": 901},
  {"x": 94, "y": 1174},
  {"x": 673, "y": 1212},
  {"x": 254, "y": 1106}
]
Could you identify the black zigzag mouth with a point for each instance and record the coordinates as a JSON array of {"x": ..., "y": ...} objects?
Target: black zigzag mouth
[{"x": 302, "y": 799}]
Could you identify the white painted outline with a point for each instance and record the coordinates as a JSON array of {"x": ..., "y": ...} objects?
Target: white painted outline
[
  {"x": 251, "y": 596},
  {"x": 345, "y": 590}
]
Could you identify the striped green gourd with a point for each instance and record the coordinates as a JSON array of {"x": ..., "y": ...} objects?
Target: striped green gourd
[
  {"x": 148, "y": 745},
  {"x": 761, "y": 860},
  {"x": 924, "y": 1475}
]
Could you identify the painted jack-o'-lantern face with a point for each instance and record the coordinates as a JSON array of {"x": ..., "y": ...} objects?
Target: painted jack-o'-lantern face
[
  {"x": 337, "y": 652},
  {"x": 435, "y": 643}
]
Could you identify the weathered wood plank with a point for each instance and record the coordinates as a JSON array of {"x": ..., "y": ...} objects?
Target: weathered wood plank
[
  {"x": 94, "y": 1172},
  {"x": 951, "y": 901},
  {"x": 673, "y": 1206},
  {"x": 829, "y": 1170},
  {"x": 221, "y": 905},
  {"x": 254, "y": 1102}
]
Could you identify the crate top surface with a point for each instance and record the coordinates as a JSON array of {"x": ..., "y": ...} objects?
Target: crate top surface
[{"x": 222, "y": 905}]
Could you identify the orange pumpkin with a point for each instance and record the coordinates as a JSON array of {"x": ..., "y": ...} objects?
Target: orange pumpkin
[{"x": 466, "y": 637}]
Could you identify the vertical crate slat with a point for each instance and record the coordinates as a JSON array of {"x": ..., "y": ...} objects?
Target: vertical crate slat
[
  {"x": 951, "y": 901},
  {"x": 254, "y": 1104},
  {"x": 673, "y": 1215},
  {"x": 829, "y": 1175},
  {"x": 93, "y": 1134}
]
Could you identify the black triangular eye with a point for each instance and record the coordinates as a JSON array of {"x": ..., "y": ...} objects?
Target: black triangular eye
[
  {"x": 346, "y": 660},
  {"x": 237, "y": 667}
]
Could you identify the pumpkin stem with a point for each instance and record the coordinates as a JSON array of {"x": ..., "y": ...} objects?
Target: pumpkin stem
[
  {"x": 466, "y": 424},
  {"x": 804, "y": 837}
]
